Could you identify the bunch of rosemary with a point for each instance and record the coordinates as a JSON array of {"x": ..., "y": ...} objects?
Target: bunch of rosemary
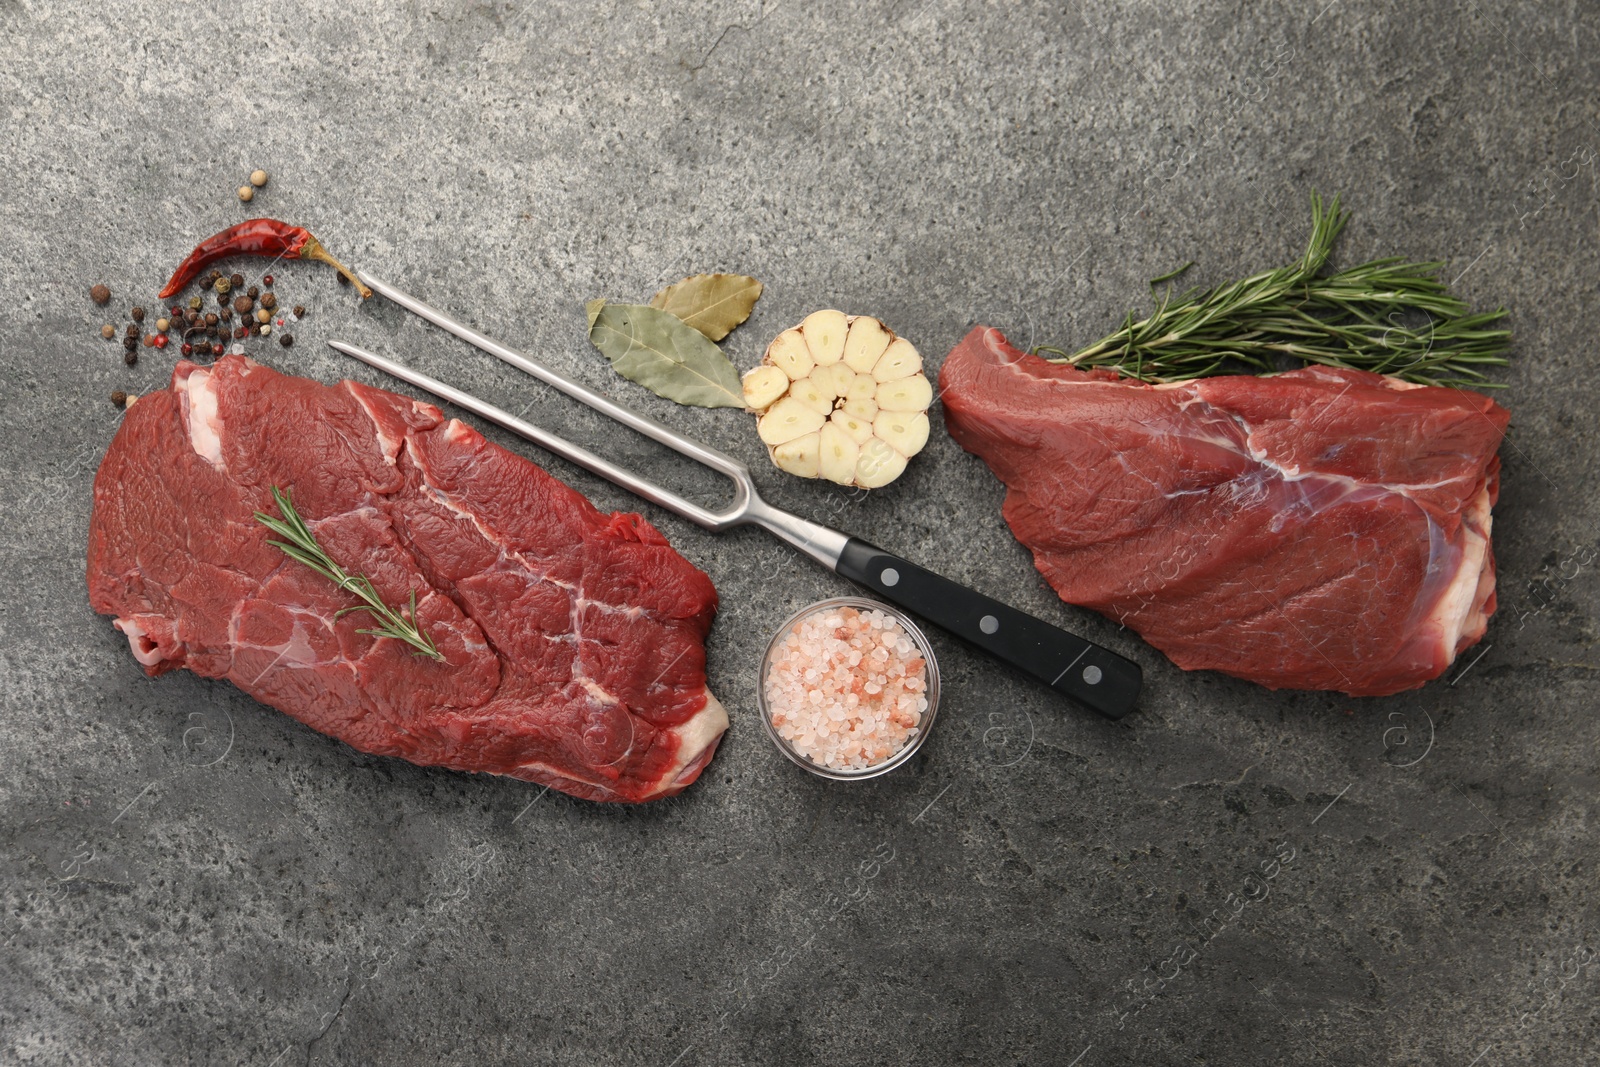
[
  {"x": 1387, "y": 316},
  {"x": 300, "y": 544}
]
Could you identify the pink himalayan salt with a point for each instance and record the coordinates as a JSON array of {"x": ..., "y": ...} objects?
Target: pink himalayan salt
[{"x": 847, "y": 689}]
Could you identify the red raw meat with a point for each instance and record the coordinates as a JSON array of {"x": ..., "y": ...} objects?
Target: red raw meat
[
  {"x": 1320, "y": 529},
  {"x": 573, "y": 640}
]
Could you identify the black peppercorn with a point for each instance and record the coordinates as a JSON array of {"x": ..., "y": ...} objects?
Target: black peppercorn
[
  {"x": 130, "y": 357},
  {"x": 132, "y": 330},
  {"x": 137, "y": 314},
  {"x": 100, "y": 294},
  {"x": 241, "y": 333},
  {"x": 119, "y": 398},
  {"x": 242, "y": 304},
  {"x": 286, "y": 339},
  {"x": 253, "y": 292},
  {"x": 211, "y": 318},
  {"x": 299, "y": 311},
  {"x": 130, "y": 343},
  {"x": 225, "y": 313},
  {"x": 237, "y": 280},
  {"x": 269, "y": 301}
]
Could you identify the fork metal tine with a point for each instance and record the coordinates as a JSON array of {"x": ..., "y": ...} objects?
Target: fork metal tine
[
  {"x": 711, "y": 457},
  {"x": 545, "y": 439}
]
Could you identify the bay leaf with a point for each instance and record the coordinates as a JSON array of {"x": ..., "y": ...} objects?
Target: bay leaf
[
  {"x": 712, "y": 303},
  {"x": 657, "y": 350},
  {"x": 592, "y": 309}
]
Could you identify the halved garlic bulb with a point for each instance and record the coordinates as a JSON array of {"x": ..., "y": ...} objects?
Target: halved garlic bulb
[{"x": 841, "y": 397}]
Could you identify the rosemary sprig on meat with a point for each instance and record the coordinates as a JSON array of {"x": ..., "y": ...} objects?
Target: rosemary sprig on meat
[
  {"x": 299, "y": 544},
  {"x": 1389, "y": 316}
]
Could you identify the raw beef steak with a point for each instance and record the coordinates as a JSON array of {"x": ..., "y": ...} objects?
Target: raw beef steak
[
  {"x": 573, "y": 640},
  {"x": 1320, "y": 529}
]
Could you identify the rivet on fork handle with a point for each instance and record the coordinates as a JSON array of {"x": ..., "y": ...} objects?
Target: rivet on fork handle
[{"x": 1093, "y": 676}]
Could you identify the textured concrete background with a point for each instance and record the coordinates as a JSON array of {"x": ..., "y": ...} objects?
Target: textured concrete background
[{"x": 188, "y": 877}]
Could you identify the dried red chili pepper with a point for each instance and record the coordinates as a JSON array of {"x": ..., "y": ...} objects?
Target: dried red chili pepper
[{"x": 256, "y": 237}]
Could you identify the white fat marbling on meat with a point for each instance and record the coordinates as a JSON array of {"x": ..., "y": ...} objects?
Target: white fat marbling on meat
[
  {"x": 708, "y": 724},
  {"x": 389, "y": 446},
  {"x": 297, "y": 652},
  {"x": 1459, "y": 609},
  {"x": 201, "y": 418},
  {"x": 593, "y": 688},
  {"x": 144, "y": 650},
  {"x": 694, "y": 737}
]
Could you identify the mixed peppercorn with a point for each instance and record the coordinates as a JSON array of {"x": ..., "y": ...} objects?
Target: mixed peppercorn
[
  {"x": 240, "y": 313},
  {"x": 202, "y": 333},
  {"x": 258, "y": 178}
]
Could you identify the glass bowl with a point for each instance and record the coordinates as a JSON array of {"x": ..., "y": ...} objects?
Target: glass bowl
[{"x": 841, "y": 774}]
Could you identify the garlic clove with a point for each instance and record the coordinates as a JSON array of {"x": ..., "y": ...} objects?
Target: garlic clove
[
  {"x": 825, "y": 335},
  {"x": 764, "y": 385},
  {"x": 789, "y": 353},
  {"x": 799, "y": 457},
  {"x": 877, "y": 464},
  {"x": 806, "y": 391},
  {"x": 786, "y": 420},
  {"x": 833, "y": 380},
  {"x": 865, "y": 343},
  {"x": 864, "y": 408},
  {"x": 862, "y": 387},
  {"x": 859, "y": 430},
  {"x": 838, "y": 454},
  {"x": 905, "y": 394},
  {"x": 906, "y": 432},
  {"x": 900, "y": 360}
]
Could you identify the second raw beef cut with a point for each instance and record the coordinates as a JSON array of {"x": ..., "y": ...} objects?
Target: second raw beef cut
[{"x": 1319, "y": 529}]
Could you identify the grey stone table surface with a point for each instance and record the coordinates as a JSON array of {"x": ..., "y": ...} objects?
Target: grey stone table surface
[{"x": 1231, "y": 876}]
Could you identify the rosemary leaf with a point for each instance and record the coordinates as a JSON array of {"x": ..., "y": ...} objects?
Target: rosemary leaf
[
  {"x": 1389, "y": 316},
  {"x": 300, "y": 545}
]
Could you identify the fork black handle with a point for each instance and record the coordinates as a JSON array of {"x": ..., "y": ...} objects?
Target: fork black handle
[{"x": 1093, "y": 676}]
